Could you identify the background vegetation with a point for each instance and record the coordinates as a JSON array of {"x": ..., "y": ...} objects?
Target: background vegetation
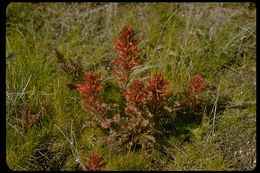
[{"x": 216, "y": 40}]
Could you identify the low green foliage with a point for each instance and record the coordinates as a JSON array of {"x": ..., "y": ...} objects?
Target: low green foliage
[
  {"x": 200, "y": 156},
  {"x": 137, "y": 161}
]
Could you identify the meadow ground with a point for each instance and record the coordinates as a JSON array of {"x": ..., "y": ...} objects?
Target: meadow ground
[{"x": 216, "y": 40}]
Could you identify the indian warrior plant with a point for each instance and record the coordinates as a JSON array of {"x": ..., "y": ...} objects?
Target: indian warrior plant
[{"x": 133, "y": 122}]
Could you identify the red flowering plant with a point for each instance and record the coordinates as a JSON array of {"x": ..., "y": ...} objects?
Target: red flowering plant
[
  {"x": 135, "y": 120},
  {"x": 136, "y": 93},
  {"x": 158, "y": 90},
  {"x": 95, "y": 162},
  {"x": 91, "y": 85},
  {"x": 127, "y": 60},
  {"x": 91, "y": 101},
  {"x": 196, "y": 86},
  {"x": 190, "y": 106}
]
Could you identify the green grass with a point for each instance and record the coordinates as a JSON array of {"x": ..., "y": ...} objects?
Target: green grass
[
  {"x": 201, "y": 155},
  {"x": 216, "y": 40}
]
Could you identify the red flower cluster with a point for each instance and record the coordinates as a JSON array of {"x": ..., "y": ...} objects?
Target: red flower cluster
[
  {"x": 156, "y": 90},
  {"x": 90, "y": 100},
  {"x": 144, "y": 105},
  {"x": 136, "y": 94},
  {"x": 196, "y": 85},
  {"x": 91, "y": 85},
  {"x": 95, "y": 162},
  {"x": 126, "y": 44},
  {"x": 126, "y": 47},
  {"x": 158, "y": 87}
]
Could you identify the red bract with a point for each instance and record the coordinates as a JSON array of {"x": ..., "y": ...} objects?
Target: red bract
[
  {"x": 158, "y": 87},
  {"x": 196, "y": 85},
  {"x": 91, "y": 85},
  {"x": 95, "y": 162},
  {"x": 126, "y": 44},
  {"x": 127, "y": 61},
  {"x": 136, "y": 94},
  {"x": 98, "y": 88}
]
